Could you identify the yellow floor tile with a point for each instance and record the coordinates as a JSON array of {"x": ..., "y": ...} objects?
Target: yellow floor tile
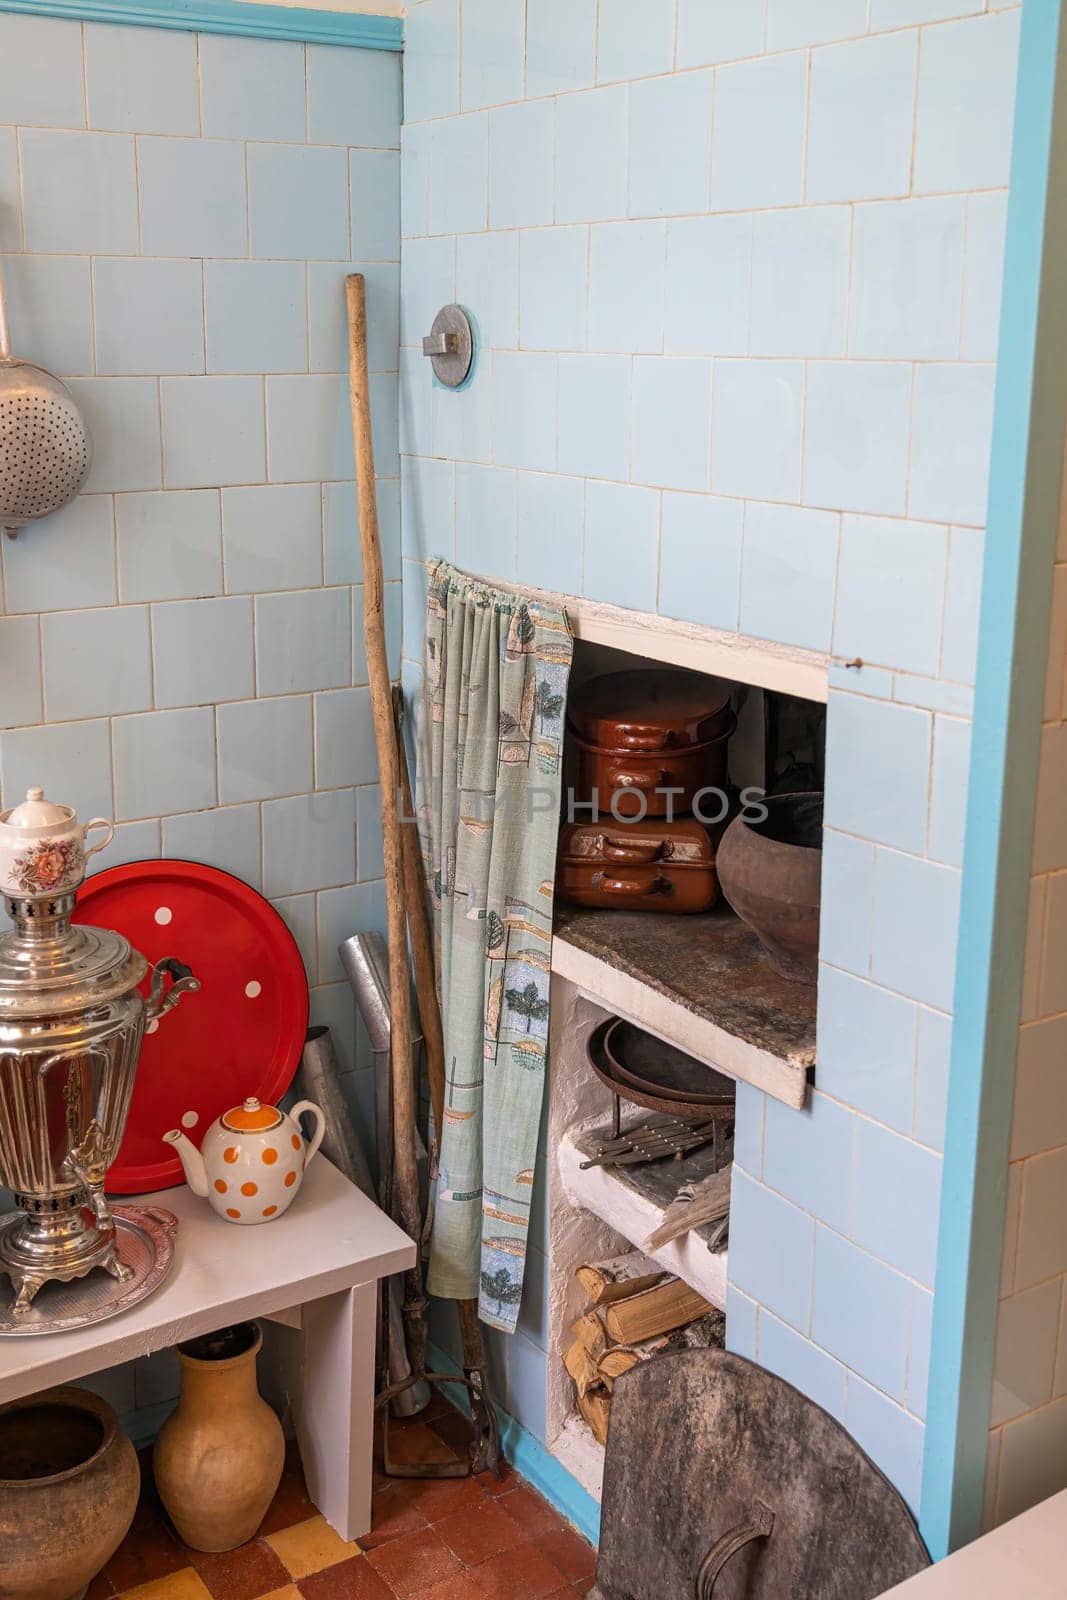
[
  {"x": 290, "y": 1592},
  {"x": 186, "y": 1584},
  {"x": 308, "y": 1547}
]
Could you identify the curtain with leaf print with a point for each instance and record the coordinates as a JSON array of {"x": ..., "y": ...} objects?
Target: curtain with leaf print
[{"x": 490, "y": 745}]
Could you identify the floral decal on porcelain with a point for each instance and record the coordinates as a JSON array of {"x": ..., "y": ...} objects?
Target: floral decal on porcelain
[{"x": 49, "y": 865}]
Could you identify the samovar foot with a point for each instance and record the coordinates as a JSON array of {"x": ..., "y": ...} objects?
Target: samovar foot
[
  {"x": 118, "y": 1269},
  {"x": 27, "y": 1288}
]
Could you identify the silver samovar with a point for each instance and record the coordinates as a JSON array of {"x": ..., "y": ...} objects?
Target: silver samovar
[{"x": 71, "y": 1024}]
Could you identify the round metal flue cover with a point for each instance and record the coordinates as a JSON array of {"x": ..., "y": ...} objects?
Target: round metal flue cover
[{"x": 450, "y": 346}]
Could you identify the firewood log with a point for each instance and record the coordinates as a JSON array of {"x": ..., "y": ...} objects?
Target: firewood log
[
  {"x": 700, "y": 1335},
  {"x": 668, "y": 1305},
  {"x": 595, "y": 1407},
  {"x": 589, "y": 1331},
  {"x": 605, "y": 1281},
  {"x": 581, "y": 1367}
]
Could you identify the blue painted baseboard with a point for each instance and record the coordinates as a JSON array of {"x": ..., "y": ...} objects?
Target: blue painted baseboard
[
  {"x": 536, "y": 1463},
  {"x": 228, "y": 16}
]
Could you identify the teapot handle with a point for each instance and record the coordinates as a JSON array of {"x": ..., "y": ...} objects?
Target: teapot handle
[
  {"x": 320, "y": 1126},
  {"x": 99, "y": 822}
]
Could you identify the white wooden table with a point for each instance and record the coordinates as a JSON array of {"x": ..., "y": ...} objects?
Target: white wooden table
[{"x": 315, "y": 1270}]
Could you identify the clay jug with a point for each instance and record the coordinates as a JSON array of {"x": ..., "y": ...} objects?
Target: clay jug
[
  {"x": 69, "y": 1482},
  {"x": 218, "y": 1459}
]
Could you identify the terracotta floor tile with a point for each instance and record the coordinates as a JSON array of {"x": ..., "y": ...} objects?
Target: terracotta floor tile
[
  {"x": 290, "y": 1504},
  {"x": 440, "y": 1405},
  {"x": 460, "y": 1587},
  {"x": 569, "y": 1552},
  {"x": 519, "y": 1574},
  {"x": 583, "y": 1585},
  {"x": 99, "y": 1589},
  {"x": 415, "y": 1563},
  {"x": 478, "y": 1532},
  {"x": 310, "y": 1546},
  {"x": 394, "y": 1512},
  {"x": 148, "y": 1552},
  {"x": 533, "y": 1514},
  {"x": 184, "y": 1585},
  {"x": 455, "y": 1430},
  {"x": 508, "y": 1480},
  {"x": 242, "y": 1574},
  {"x": 349, "y": 1580},
  {"x": 417, "y": 1444},
  {"x": 440, "y": 1497}
]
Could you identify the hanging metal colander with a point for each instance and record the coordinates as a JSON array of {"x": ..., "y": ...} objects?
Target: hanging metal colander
[{"x": 45, "y": 449}]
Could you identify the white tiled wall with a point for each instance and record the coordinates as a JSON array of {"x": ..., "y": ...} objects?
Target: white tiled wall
[
  {"x": 181, "y": 648},
  {"x": 735, "y": 266},
  {"x": 1027, "y": 1455}
]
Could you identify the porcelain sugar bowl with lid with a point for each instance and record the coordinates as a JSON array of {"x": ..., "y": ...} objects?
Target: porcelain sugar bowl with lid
[
  {"x": 252, "y": 1159},
  {"x": 43, "y": 847}
]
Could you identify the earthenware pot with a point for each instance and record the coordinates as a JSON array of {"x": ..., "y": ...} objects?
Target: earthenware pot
[
  {"x": 648, "y": 742},
  {"x": 770, "y": 871},
  {"x": 218, "y": 1459},
  {"x": 69, "y": 1482}
]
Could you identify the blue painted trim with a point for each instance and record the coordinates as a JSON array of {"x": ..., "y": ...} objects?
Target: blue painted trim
[
  {"x": 533, "y": 1459},
  {"x": 1025, "y": 474},
  {"x": 228, "y": 16}
]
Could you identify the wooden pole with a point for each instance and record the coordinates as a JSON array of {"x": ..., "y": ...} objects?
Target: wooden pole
[{"x": 405, "y": 1171}]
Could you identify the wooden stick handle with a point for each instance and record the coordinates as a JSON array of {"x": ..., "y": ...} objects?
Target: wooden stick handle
[{"x": 406, "y": 1182}]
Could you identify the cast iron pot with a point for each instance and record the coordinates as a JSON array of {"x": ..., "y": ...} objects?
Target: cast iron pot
[
  {"x": 69, "y": 1482},
  {"x": 770, "y": 872}
]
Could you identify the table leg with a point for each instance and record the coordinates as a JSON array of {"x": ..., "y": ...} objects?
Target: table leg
[{"x": 335, "y": 1423}]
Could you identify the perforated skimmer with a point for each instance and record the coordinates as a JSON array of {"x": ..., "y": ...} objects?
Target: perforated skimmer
[{"x": 45, "y": 449}]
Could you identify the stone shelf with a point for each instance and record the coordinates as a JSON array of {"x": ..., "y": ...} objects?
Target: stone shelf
[{"x": 702, "y": 983}]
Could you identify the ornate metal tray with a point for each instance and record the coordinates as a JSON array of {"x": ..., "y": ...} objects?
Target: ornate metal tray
[{"x": 145, "y": 1244}]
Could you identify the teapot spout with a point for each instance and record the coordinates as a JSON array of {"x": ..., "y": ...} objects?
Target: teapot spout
[{"x": 191, "y": 1159}]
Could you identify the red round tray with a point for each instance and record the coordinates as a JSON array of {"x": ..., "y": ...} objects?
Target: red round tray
[{"x": 241, "y": 1034}]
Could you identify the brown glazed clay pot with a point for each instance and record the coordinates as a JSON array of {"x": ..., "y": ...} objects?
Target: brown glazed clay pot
[
  {"x": 770, "y": 872},
  {"x": 219, "y": 1455},
  {"x": 69, "y": 1482}
]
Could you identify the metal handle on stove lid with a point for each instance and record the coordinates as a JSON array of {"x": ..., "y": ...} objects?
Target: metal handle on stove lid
[
  {"x": 182, "y": 982},
  {"x": 731, "y": 1544}
]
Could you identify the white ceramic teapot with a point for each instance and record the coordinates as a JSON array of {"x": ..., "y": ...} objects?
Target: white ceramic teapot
[
  {"x": 252, "y": 1160},
  {"x": 43, "y": 849}
]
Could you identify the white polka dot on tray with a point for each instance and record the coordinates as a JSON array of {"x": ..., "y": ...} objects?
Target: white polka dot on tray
[
  {"x": 190, "y": 1119},
  {"x": 253, "y": 989},
  {"x": 163, "y": 915}
]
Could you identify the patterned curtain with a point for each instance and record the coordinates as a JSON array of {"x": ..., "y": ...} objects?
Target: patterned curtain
[{"x": 488, "y": 793}]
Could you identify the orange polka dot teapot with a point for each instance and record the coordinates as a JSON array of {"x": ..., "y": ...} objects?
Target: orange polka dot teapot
[{"x": 252, "y": 1161}]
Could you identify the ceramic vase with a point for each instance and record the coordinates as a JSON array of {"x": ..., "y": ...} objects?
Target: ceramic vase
[
  {"x": 69, "y": 1483},
  {"x": 218, "y": 1459}
]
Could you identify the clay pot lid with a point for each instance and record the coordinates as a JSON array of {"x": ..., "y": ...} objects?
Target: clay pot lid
[
  {"x": 650, "y": 708},
  {"x": 252, "y": 1117},
  {"x": 37, "y": 812}
]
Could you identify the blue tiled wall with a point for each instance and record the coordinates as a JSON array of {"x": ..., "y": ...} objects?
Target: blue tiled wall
[
  {"x": 182, "y": 647},
  {"x": 736, "y": 271}
]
